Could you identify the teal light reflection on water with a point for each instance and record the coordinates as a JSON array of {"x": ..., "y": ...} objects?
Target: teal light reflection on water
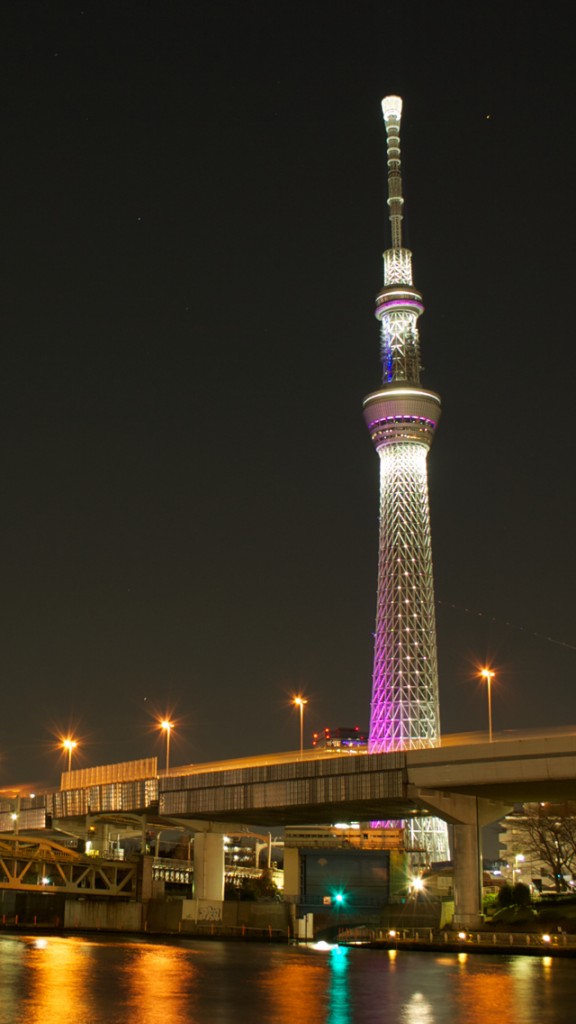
[{"x": 339, "y": 1008}]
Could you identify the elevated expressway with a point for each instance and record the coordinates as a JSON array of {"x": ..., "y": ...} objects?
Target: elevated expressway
[
  {"x": 466, "y": 784},
  {"x": 466, "y": 781},
  {"x": 317, "y": 789}
]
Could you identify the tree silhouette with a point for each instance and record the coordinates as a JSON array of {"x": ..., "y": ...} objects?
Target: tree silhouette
[{"x": 550, "y": 835}]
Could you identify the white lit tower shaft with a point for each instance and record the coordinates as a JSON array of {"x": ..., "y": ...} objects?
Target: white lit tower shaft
[{"x": 402, "y": 417}]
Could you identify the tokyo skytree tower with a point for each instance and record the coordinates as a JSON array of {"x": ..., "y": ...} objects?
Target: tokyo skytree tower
[{"x": 402, "y": 417}]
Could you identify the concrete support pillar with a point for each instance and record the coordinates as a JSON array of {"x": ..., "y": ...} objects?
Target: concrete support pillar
[
  {"x": 466, "y": 814},
  {"x": 209, "y": 866},
  {"x": 467, "y": 876},
  {"x": 291, "y": 873},
  {"x": 146, "y": 890},
  {"x": 98, "y": 835}
]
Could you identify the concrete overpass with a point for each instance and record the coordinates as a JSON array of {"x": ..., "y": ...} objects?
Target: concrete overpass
[
  {"x": 467, "y": 781},
  {"x": 468, "y": 785},
  {"x": 317, "y": 789}
]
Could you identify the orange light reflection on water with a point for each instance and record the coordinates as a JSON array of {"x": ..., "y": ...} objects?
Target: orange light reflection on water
[
  {"x": 61, "y": 983},
  {"x": 311, "y": 987},
  {"x": 488, "y": 998},
  {"x": 47, "y": 998},
  {"x": 160, "y": 976},
  {"x": 292, "y": 988}
]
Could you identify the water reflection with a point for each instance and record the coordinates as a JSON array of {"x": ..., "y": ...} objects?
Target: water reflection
[
  {"x": 65, "y": 980},
  {"x": 71, "y": 980},
  {"x": 160, "y": 976},
  {"x": 339, "y": 1011},
  {"x": 418, "y": 1010},
  {"x": 56, "y": 980},
  {"x": 487, "y": 995},
  {"x": 296, "y": 988},
  {"x": 534, "y": 985}
]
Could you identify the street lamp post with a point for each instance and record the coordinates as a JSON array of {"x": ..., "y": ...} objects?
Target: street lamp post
[
  {"x": 299, "y": 702},
  {"x": 488, "y": 675},
  {"x": 516, "y": 870},
  {"x": 167, "y": 727},
  {"x": 69, "y": 745},
  {"x": 15, "y": 816}
]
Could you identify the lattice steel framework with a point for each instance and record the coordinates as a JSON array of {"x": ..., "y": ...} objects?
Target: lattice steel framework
[
  {"x": 404, "y": 703},
  {"x": 40, "y": 865},
  {"x": 402, "y": 417}
]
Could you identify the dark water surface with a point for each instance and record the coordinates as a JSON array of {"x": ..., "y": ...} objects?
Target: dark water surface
[{"x": 95, "y": 981}]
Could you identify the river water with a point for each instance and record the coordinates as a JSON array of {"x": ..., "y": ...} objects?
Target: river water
[{"x": 67, "y": 980}]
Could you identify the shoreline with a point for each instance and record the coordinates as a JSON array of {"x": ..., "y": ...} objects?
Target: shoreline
[
  {"x": 531, "y": 946},
  {"x": 463, "y": 948}
]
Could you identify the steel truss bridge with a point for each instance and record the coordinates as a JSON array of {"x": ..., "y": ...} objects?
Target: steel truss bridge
[{"x": 42, "y": 865}]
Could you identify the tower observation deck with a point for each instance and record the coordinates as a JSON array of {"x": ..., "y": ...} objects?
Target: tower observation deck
[{"x": 402, "y": 417}]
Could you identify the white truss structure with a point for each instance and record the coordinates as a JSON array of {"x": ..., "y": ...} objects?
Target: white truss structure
[
  {"x": 400, "y": 346},
  {"x": 429, "y": 834},
  {"x": 405, "y": 711},
  {"x": 402, "y": 418},
  {"x": 398, "y": 266}
]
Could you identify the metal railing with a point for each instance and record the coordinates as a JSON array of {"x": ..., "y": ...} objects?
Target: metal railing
[{"x": 398, "y": 937}]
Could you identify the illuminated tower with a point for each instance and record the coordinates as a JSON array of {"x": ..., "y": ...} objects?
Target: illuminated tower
[{"x": 402, "y": 417}]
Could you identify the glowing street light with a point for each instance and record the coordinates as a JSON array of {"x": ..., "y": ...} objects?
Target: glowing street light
[
  {"x": 516, "y": 870},
  {"x": 69, "y": 745},
  {"x": 167, "y": 727},
  {"x": 488, "y": 675},
  {"x": 299, "y": 702}
]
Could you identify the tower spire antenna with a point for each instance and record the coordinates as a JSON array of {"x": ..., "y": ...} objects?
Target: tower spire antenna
[
  {"x": 392, "y": 113},
  {"x": 399, "y": 304}
]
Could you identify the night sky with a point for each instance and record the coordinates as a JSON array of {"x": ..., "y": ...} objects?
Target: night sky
[{"x": 192, "y": 220}]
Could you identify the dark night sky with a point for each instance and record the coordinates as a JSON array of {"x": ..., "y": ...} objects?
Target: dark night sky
[{"x": 193, "y": 214}]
